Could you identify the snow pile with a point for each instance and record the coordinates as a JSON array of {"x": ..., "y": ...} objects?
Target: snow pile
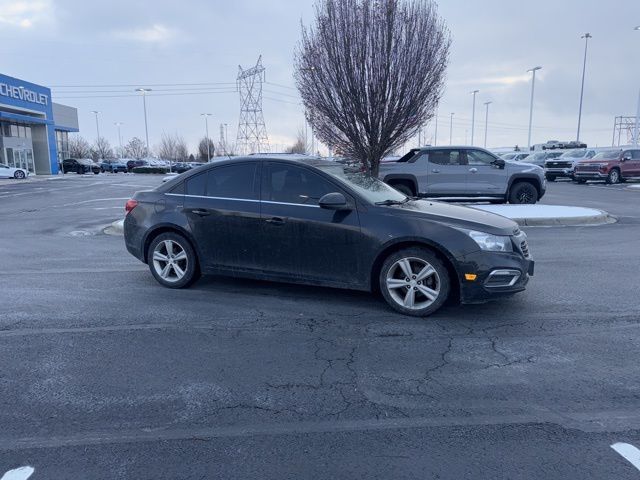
[{"x": 539, "y": 211}]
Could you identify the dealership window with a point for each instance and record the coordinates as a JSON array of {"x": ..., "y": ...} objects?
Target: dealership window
[
  {"x": 14, "y": 130},
  {"x": 62, "y": 143}
]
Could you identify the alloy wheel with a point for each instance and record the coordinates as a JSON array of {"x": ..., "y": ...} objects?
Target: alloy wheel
[
  {"x": 413, "y": 283},
  {"x": 170, "y": 261}
]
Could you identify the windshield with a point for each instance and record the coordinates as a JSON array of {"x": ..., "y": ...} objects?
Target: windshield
[
  {"x": 370, "y": 188},
  {"x": 574, "y": 154},
  {"x": 534, "y": 156},
  {"x": 607, "y": 154}
]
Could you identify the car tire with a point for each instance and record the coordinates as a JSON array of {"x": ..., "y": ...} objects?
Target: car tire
[
  {"x": 613, "y": 177},
  {"x": 581, "y": 181},
  {"x": 551, "y": 178},
  {"x": 404, "y": 189},
  {"x": 19, "y": 175},
  {"x": 523, "y": 193},
  {"x": 412, "y": 295},
  {"x": 180, "y": 267}
]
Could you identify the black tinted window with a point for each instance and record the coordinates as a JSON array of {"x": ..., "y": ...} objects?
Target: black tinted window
[
  {"x": 178, "y": 189},
  {"x": 232, "y": 181},
  {"x": 196, "y": 185},
  {"x": 291, "y": 184},
  {"x": 445, "y": 157},
  {"x": 635, "y": 154},
  {"x": 478, "y": 157}
]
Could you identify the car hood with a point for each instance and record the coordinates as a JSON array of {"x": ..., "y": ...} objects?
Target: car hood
[
  {"x": 522, "y": 166},
  {"x": 457, "y": 216}
]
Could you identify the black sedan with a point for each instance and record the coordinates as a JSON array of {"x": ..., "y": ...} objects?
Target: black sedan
[
  {"x": 80, "y": 165},
  {"x": 310, "y": 221}
]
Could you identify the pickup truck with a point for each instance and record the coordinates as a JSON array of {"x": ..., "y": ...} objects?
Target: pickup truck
[{"x": 464, "y": 173}]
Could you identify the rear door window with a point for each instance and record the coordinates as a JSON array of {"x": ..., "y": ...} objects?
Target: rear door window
[
  {"x": 196, "y": 185},
  {"x": 233, "y": 181},
  {"x": 446, "y": 157}
]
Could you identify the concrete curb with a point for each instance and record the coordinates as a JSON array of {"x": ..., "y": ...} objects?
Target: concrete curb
[{"x": 116, "y": 228}]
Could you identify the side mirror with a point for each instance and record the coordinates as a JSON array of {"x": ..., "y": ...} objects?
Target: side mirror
[
  {"x": 499, "y": 163},
  {"x": 626, "y": 157},
  {"x": 334, "y": 201}
]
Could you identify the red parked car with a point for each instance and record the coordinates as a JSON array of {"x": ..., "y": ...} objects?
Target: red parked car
[{"x": 612, "y": 166}]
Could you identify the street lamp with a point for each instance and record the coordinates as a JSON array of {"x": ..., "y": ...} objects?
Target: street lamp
[
  {"x": 206, "y": 127},
  {"x": 96, "y": 112},
  {"x": 473, "y": 113},
  {"x": 586, "y": 37},
  {"x": 435, "y": 134},
  {"x": 144, "y": 92},
  {"x": 486, "y": 122},
  {"x": 635, "y": 128},
  {"x": 119, "y": 124},
  {"x": 533, "y": 85},
  {"x": 451, "y": 129}
]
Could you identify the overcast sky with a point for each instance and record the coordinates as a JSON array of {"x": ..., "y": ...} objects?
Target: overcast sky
[{"x": 92, "y": 54}]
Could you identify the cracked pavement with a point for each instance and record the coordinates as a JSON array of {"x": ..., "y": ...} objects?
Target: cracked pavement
[{"x": 107, "y": 375}]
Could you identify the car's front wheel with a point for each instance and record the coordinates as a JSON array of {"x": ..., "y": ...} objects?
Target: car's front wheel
[
  {"x": 19, "y": 175},
  {"x": 613, "y": 177},
  {"x": 523, "y": 192},
  {"x": 172, "y": 261},
  {"x": 414, "y": 282}
]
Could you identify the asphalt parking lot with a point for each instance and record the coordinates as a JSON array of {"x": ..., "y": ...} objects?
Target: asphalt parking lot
[{"x": 105, "y": 374}]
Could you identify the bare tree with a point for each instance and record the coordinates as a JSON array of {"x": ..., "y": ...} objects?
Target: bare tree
[
  {"x": 370, "y": 73},
  {"x": 202, "y": 149},
  {"x": 182, "y": 151},
  {"x": 167, "y": 148},
  {"x": 136, "y": 148},
  {"x": 79, "y": 147},
  {"x": 301, "y": 143},
  {"x": 101, "y": 149}
]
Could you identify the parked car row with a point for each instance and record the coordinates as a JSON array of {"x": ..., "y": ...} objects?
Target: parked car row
[{"x": 611, "y": 165}]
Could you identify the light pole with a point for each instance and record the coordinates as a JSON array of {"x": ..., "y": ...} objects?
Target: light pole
[
  {"x": 118, "y": 124},
  {"x": 533, "y": 86},
  {"x": 636, "y": 132},
  {"x": 226, "y": 138},
  {"x": 586, "y": 37},
  {"x": 206, "y": 127},
  {"x": 486, "y": 122},
  {"x": 473, "y": 113},
  {"x": 144, "y": 92},
  {"x": 96, "y": 112},
  {"x": 451, "y": 129},
  {"x": 435, "y": 134}
]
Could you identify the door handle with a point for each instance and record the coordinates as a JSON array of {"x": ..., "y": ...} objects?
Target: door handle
[
  {"x": 201, "y": 212},
  {"x": 275, "y": 221},
  {"x": 473, "y": 170},
  {"x": 435, "y": 170}
]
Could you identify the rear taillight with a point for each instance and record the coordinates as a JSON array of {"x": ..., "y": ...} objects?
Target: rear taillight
[{"x": 130, "y": 205}]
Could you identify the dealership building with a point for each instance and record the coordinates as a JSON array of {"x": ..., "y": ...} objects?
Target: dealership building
[{"x": 34, "y": 131}]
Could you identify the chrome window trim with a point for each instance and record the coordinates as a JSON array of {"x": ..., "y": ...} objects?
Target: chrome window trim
[{"x": 242, "y": 200}]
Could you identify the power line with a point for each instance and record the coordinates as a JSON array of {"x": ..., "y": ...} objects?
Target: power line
[{"x": 142, "y": 83}]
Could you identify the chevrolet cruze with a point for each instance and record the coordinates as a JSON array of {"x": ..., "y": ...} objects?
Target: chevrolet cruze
[{"x": 316, "y": 222}]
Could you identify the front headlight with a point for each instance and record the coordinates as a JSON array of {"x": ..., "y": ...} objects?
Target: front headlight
[{"x": 489, "y": 242}]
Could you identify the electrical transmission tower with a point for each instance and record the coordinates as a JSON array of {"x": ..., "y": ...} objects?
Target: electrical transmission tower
[
  {"x": 623, "y": 125},
  {"x": 252, "y": 132}
]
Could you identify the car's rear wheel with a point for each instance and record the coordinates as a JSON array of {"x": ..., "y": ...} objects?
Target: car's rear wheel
[
  {"x": 414, "y": 282},
  {"x": 613, "y": 177},
  {"x": 19, "y": 175},
  {"x": 523, "y": 193},
  {"x": 172, "y": 261}
]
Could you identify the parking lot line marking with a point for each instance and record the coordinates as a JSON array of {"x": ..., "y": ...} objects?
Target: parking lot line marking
[
  {"x": 21, "y": 473},
  {"x": 95, "y": 200},
  {"x": 629, "y": 452}
]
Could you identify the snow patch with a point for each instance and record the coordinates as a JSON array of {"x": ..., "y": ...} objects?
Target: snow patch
[{"x": 539, "y": 211}]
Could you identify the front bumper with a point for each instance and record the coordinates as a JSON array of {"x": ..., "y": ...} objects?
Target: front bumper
[
  {"x": 590, "y": 175},
  {"x": 484, "y": 265},
  {"x": 559, "y": 172}
]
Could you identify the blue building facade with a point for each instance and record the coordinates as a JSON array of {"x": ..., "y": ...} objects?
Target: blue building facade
[{"x": 34, "y": 131}]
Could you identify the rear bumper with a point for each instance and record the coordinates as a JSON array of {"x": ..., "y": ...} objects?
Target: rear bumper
[
  {"x": 134, "y": 238},
  {"x": 485, "y": 265}
]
